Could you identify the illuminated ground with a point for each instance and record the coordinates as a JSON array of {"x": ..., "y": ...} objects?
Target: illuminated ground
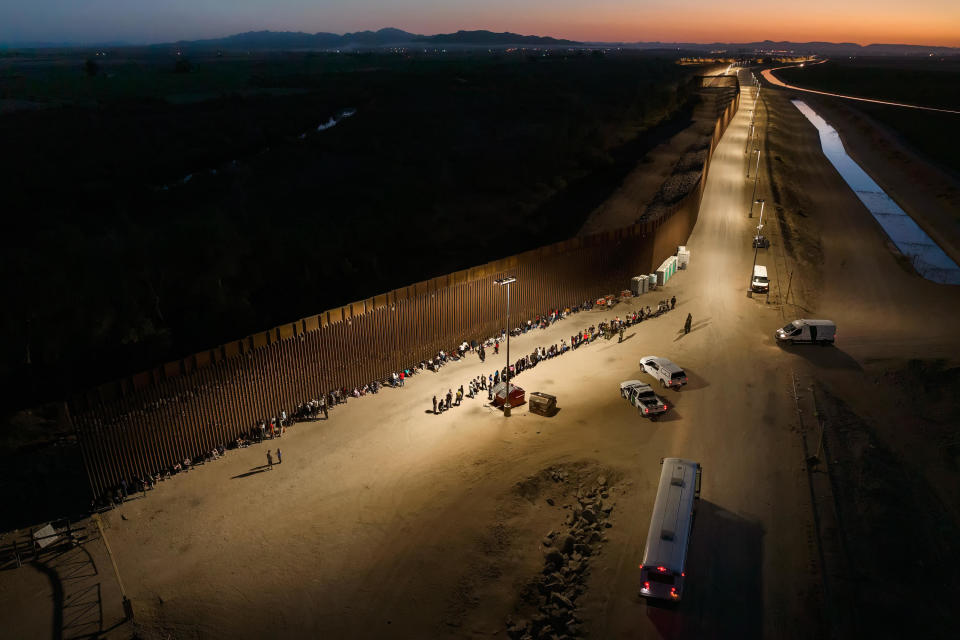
[{"x": 388, "y": 522}]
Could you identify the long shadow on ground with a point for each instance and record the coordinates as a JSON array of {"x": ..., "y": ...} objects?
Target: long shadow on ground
[{"x": 723, "y": 592}]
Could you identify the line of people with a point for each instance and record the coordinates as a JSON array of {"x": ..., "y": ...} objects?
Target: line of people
[{"x": 605, "y": 328}]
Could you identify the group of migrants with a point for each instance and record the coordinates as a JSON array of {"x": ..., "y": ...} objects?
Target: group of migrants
[
  {"x": 274, "y": 427},
  {"x": 605, "y": 329},
  {"x": 263, "y": 429}
]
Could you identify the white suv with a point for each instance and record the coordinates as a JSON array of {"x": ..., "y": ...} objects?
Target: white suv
[{"x": 669, "y": 374}]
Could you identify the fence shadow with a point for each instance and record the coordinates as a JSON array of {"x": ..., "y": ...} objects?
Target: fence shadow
[{"x": 76, "y": 593}]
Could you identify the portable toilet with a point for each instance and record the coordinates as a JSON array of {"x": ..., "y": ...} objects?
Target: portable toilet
[
  {"x": 636, "y": 285},
  {"x": 644, "y": 284},
  {"x": 652, "y": 281}
]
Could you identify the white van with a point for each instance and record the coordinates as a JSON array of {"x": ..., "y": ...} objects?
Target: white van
[
  {"x": 812, "y": 331},
  {"x": 760, "y": 283}
]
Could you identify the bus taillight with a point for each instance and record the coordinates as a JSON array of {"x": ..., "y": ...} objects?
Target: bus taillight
[
  {"x": 646, "y": 586},
  {"x": 673, "y": 592},
  {"x": 662, "y": 569}
]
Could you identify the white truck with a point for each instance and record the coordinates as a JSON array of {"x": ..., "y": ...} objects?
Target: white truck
[
  {"x": 821, "y": 332},
  {"x": 669, "y": 374},
  {"x": 760, "y": 283}
]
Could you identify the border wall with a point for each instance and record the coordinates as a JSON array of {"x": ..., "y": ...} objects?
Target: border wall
[{"x": 149, "y": 421}]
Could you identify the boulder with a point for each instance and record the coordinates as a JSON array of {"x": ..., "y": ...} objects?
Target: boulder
[
  {"x": 582, "y": 549},
  {"x": 568, "y": 545},
  {"x": 545, "y": 632},
  {"x": 561, "y": 599}
]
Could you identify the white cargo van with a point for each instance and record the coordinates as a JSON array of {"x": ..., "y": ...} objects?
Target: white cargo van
[
  {"x": 759, "y": 282},
  {"x": 812, "y": 331}
]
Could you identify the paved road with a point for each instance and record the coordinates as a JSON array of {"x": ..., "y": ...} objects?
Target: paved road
[{"x": 770, "y": 77}]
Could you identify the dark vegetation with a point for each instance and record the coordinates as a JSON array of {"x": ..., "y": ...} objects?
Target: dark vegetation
[
  {"x": 113, "y": 264},
  {"x": 926, "y": 81}
]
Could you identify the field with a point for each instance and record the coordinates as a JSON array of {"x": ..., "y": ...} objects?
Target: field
[
  {"x": 930, "y": 82},
  {"x": 163, "y": 206}
]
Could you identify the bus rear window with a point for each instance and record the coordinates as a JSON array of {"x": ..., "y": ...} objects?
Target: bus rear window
[{"x": 663, "y": 578}]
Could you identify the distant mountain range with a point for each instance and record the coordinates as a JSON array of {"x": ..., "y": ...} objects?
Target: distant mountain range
[
  {"x": 264, "y": 40},
  {"x": 362, "y": 39}
]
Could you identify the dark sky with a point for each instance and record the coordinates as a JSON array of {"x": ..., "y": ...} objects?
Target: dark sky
[{"x": 933, "y": 22}]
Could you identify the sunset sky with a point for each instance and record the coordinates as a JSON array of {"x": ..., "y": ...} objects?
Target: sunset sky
[{"x": 932, "y": 22}]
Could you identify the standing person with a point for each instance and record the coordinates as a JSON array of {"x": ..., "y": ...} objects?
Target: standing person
[
  {"x": 402, "y": 376},
  {"x": 686, "y": 325},
  {"x": 621, "y": 334},
  {"x": 434, "y": 405},
  {"x": 449, "y": 397},
  {"x": 496, "y": 347},
  {"x": 269, "y": 459},
  {"x": 673, "y": 301},
  {"x": 279, "y": 456},
  {"x": 323, "y": 405}
]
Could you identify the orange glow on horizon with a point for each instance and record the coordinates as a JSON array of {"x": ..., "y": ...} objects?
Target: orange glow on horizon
[{"x": 860, "y": 21}]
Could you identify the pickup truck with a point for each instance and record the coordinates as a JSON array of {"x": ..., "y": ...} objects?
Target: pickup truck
[
  {"x": 641, "y": 395},
  {"x": 669, "y": 374}
]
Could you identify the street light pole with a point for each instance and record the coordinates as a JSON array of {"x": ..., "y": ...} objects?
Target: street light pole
[{"x": 506, "y": 282}]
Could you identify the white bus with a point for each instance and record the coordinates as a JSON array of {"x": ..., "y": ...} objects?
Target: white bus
[{"x": 664, "y": 560}]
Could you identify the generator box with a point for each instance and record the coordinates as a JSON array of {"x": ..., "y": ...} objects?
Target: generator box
[{"x": 543, "y": 404}]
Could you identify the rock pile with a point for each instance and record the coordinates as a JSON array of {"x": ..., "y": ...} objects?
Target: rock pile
[{"x": 567, "y": 556}]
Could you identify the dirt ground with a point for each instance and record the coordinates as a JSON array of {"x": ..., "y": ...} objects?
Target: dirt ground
[
  {"x": 885, "y": 389},
  {"x": 628, "y": 203},
  {"x": 389, "y": 522}
]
